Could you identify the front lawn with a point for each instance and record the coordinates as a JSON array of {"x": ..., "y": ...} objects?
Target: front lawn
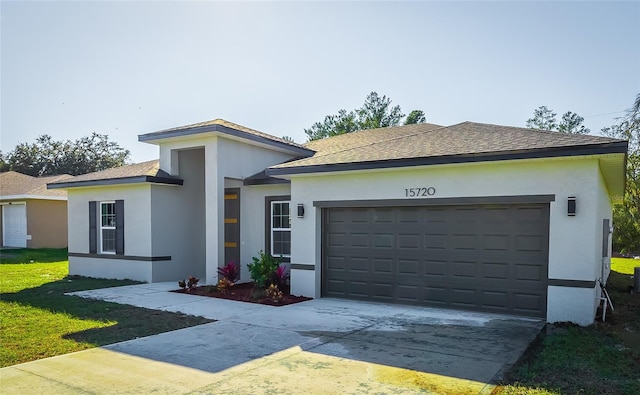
[
  {"x": 37, "y": 320},
  {"x": 624, "y": 265},
  {"x": 603, "y": 358}
]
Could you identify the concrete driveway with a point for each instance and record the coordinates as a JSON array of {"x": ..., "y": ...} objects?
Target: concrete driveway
[{"x": 323, "y": 346}]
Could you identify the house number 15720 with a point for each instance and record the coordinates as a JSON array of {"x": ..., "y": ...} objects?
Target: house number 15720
[{"x": 419, "y": 192}]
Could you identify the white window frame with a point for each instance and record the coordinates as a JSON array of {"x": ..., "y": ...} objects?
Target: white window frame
[
  {"x": 101, "y": 227},
  {"x": 272, "y": 229}
]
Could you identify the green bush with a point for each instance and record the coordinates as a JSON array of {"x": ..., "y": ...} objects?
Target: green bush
[{"x": 262, "y": 269}]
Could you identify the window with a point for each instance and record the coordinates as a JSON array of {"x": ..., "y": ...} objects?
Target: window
[
  {"x": 280, "y": 229},
  {"x": 108, "y": 227}
]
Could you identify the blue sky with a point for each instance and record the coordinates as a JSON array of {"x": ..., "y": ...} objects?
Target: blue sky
[{"x": 127, "y": 68}]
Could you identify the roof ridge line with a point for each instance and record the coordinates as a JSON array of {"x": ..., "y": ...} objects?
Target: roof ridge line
[{"x": 381, "y": 141}]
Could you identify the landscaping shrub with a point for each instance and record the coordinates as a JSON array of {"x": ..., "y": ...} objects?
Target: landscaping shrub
[{"x": 262, "y": 269}]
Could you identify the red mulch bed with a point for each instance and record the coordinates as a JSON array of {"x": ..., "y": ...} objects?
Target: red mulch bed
[{"x": 244, "y": 292}]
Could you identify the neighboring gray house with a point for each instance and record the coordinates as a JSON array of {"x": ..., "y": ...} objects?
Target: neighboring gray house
[{"x": 469, "y": 216}]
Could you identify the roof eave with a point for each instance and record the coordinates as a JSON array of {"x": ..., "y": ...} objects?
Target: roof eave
[
  {"x": 116, "y": 181},
  {"x": 157, "y": 137},
  {"x": 592, "y": 149},
  {"x": 36, "y": 197}
]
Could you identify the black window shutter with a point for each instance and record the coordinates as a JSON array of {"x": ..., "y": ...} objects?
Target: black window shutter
[
  {"x": 93, "y": 230},
  {"x": 119, "y": 227}
]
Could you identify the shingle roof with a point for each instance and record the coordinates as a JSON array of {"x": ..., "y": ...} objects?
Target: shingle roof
[
  {"x": 139, "y": 172},
  {"x": 226, "y": 127},
  {"x": 17, "y": 184},
  {"x": 428, "y": 142}
]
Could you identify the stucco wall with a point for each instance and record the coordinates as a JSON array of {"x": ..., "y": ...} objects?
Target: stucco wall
[
  {"x": 47, "y": 223},
  {"x": 225, "y": 159},
  {"x": 253, "y": 217},
  {"x": 572, "y": 254},
  {"x": 177, "y": 221},
  {"x": 119, "y": 269},
  {"x": 137, "y": 231}
]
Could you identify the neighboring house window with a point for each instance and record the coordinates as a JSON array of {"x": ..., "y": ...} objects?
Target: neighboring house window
[
  {"x": 106, "y": 227},
  {"x": 280, "y": 229}
]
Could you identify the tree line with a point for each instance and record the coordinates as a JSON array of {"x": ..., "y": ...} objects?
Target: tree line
[{"x": 48, "y": 157}]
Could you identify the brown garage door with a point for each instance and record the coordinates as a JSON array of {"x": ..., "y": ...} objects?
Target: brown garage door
[{"x": 484, "y": 257}]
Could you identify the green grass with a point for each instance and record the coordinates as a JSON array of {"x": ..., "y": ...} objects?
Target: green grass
[
  {"x": 27, "y": 255},
  {"x": 37, "y": 320},
  {"x": 603, "y": 358},
  {"x": 624, "y": 265}
]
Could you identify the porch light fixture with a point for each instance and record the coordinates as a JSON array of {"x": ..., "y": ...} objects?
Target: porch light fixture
[
  {"x": 300, "y": 210},
  {"x": 571, "y": 206}
]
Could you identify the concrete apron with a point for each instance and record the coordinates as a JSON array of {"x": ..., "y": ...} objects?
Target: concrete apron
[{"x": 324, "y": 346}]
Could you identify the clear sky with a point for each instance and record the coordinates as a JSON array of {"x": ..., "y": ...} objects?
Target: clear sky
[{"x": 128, "y": 68}]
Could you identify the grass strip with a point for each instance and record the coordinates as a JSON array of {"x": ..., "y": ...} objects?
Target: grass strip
[{"x": 37, "y": 320}]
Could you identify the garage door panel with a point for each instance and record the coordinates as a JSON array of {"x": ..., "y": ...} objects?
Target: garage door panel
[
  {"x": 528, "y": 302},
  {"x": 382, "y": 266},
  {"x": 464, "y": 269},
  {"x": 435, "y": 268},
  {"x": 464, "y": 241},
  {"x": 530, "y": 214},
  {"x": 496, "y": 270},
  {"x": 496, "y": 242},
  {"x": 435, "y": 241},
  {"x": 409, "y": 267},
  {"x": 383, "y": 240},
  {"x": 336, "y": 262},
  {"x": 529, "y": 243},
  {"x": 384, "y": 215},
  {"x": 463, "y": 297},
  {"x": 498, "y": 300},
  {"x": 529, "y": 273},
  {"x": 489, "y": 258},
  {"x": 410, "y": 215}
]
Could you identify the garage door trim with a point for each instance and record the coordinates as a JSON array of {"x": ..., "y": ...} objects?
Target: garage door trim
[
  {"x": 473, "y": 200},
  {"x": 514, "y": 309}
]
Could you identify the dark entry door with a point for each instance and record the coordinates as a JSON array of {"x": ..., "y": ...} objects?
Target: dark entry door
[{"x": 232, "y": 225}]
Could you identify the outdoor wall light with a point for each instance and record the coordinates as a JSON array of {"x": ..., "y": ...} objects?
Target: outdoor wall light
[
  {"x": 300, "y": 210},
  {"x": 571, "y": 206}
]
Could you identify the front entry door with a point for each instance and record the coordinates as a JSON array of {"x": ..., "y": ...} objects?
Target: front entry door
[{"x": 232, "y": 225}]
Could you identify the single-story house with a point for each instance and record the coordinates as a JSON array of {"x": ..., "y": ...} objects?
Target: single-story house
[
  {"x": 470, "y": 216},
  {"x": 32, "y": 216}
]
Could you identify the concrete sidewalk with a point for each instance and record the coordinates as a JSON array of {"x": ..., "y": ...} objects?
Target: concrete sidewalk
[{"x": 322, "y": 346}]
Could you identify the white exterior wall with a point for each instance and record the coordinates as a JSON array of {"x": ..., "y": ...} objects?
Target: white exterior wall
[
  {"x": 574, "y": 245},
  {"x": 137, "y": 233},
  {"x": 224, "y": 159},
  {"x": 252, "y": 221},
  {"x": 178, "y": 221}
]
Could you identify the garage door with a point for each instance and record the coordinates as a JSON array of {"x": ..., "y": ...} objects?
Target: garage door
[
  {"x": 483, "y": 257},
  {"x": 14, "y": 225}
]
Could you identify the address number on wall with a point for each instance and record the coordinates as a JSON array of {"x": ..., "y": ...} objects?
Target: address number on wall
[{"x": 419, "y": 192}]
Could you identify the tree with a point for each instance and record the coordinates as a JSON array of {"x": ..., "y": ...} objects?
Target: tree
[
  {"x": 376, "y": 112},
  {"x": 543, "y": 118},
  {"x": 343, "y": 122},
  {"x": 572, "y": 123},
  {"x": 48, "y": 157},
  {"x": 414, "y": 117},
  {"x": 288, "y": 138},
  {"x": 626, "y": 216},
  {"x": 4, "y": 166}
]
